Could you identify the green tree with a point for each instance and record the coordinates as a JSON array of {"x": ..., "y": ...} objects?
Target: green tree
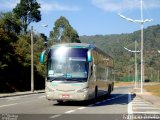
[
  {"x": 9, "y": 23},
  {"x": 63, "y": 32},
  {"x": 8, "y": 37},
  {"x": 15, "y": 56},
  {"x": 27, "y": 11},
  {"x": 9, "y": 28}
]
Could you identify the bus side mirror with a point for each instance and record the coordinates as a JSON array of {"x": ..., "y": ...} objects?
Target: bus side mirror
[
  {"x": 89, "y": 56},
  {"x": 42, "y": 56}
]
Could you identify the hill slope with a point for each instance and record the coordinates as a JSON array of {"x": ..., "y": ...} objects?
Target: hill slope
[{"x": 124, "y": 60}]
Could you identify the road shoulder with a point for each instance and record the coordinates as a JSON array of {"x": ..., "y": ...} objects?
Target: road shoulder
[{"x": 20, "y": 93}]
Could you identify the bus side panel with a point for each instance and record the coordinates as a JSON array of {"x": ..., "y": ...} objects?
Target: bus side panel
[
  {"x": 103, "y": 80},
  {"x": 91, "y": 81}
]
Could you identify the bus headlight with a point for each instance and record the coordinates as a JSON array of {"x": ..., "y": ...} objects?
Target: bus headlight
[
  {"x": 49, "y": 89},
  {"x": 83, "y": 90}
]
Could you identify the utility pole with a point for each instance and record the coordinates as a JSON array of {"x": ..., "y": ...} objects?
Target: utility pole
[
  {"x": 142, "y": 63},
  {"x": 136, "y": 73},
  {"x": 141, "y": 22},
  {"x": 158, "y": 68},
  {"x": 32, "y": 55},
  {"x": 32, "y": 66}
]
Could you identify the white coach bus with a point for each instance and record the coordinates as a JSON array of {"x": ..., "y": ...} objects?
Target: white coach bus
[{"x": 77, "y": 72}]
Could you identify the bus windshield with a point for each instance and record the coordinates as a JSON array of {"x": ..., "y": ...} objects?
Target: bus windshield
[{"x": 67, "y": 64}]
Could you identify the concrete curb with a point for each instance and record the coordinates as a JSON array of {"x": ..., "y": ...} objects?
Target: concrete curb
[{"x": 20, "y": 93}]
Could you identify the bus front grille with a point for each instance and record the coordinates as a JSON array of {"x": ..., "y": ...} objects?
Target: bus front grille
[{"x": 65, "y": 90}]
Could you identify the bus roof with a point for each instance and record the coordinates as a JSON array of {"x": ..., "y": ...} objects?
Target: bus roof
[
  {"x": 72, "y": 45},
  {"x": 81, "y": 45}
]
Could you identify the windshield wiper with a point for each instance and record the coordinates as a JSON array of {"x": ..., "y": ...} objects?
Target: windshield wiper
[
  {"x": 51, "y": 79},
  {"x": 76, "y": 80},
  {"x": 57, "y": 78}
]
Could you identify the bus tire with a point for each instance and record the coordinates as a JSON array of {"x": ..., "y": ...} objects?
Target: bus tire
[
  {"x": 109, "y": 91},
  {"x": 96, "y": 94},
  {"x": 60, "y": 101},
  {"x": 112, "y": 86}
]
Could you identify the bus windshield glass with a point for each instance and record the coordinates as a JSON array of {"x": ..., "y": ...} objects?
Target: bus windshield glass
[{"x": 67, "y": 64}]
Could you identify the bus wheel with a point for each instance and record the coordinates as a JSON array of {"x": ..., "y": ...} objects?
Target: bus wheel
[
  {"x": 109, "y": 91},
  {"x": 96, "y": 94},
  {"x": 112, "y": 86},
  {"x": 60, "y": 101}
]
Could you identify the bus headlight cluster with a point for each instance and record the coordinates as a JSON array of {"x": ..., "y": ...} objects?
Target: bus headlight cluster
[
  {"x": 49, "y": 88},
  {"x": 83, "y": 90}
]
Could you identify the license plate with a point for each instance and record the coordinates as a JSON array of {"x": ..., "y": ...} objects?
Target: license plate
[{"x": 65, "y": 96}]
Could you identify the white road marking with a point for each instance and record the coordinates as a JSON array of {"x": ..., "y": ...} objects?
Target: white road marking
[
  {"x": 13, "y": 98},
  {"x": 141, "y": 107},
  {"x": 139, "y": 102},
  {"x": 137, "y": 99},
  {"x": 146, "y": 112},
  {"x": 130, "y": 104},
  {"x": 70, "y": 111},
  {"x": 142, "y": 104},
  {"x": 115, "y": 97},
  {"x": 81, "y": 108},
  {"x": 54, "y": 116},
  {"x": 8, "y": 105},
  {"x": 43, "y": 96},
  {"x": 18, "y": 103}
]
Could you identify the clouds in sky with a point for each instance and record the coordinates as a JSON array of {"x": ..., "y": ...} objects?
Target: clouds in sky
[
  {"x": 55, "y": 6},
  {"x": 121, "y": 5},
  {"x": 46, "y": 6},
  {"x": 8, "y": 4},
  {"x": 105, "y": 5}
]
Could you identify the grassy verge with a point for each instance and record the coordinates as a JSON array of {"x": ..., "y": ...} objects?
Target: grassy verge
[
  {"x": 122, "y": 84},
  {"x": 154, "y": 89}
]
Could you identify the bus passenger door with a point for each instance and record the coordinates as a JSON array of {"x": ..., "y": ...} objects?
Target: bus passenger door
[
  {"x": 94, "y": 72},
  {"x": 92, "y": 80}
]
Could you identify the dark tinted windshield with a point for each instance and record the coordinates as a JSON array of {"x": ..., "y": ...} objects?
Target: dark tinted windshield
[{"x": 67, "y": 63}]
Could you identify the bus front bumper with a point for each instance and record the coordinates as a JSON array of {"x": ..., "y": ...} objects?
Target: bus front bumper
[{"x": 71, "y": 96}]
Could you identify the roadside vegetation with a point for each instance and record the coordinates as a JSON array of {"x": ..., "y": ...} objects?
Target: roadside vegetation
[
  {"x": 154, "y": 89},
  {"x": 15, "y": 46},
  {"x": 123, "y": 84}
]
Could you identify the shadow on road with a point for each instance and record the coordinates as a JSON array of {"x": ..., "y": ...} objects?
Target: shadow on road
[
  {"x": 116, "y": 99},
  {"x": 121, "y": 99}
]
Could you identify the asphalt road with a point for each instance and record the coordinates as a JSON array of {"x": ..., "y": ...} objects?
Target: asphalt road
[{"x": 36, "y": 106}]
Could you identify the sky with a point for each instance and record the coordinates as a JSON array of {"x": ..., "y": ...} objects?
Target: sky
[{"x": 93, "y": 17}]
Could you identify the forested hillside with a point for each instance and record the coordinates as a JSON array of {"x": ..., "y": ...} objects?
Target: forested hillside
[
  {"x": 15, "y": 47},
  {"x": 124, "y": 60}
]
